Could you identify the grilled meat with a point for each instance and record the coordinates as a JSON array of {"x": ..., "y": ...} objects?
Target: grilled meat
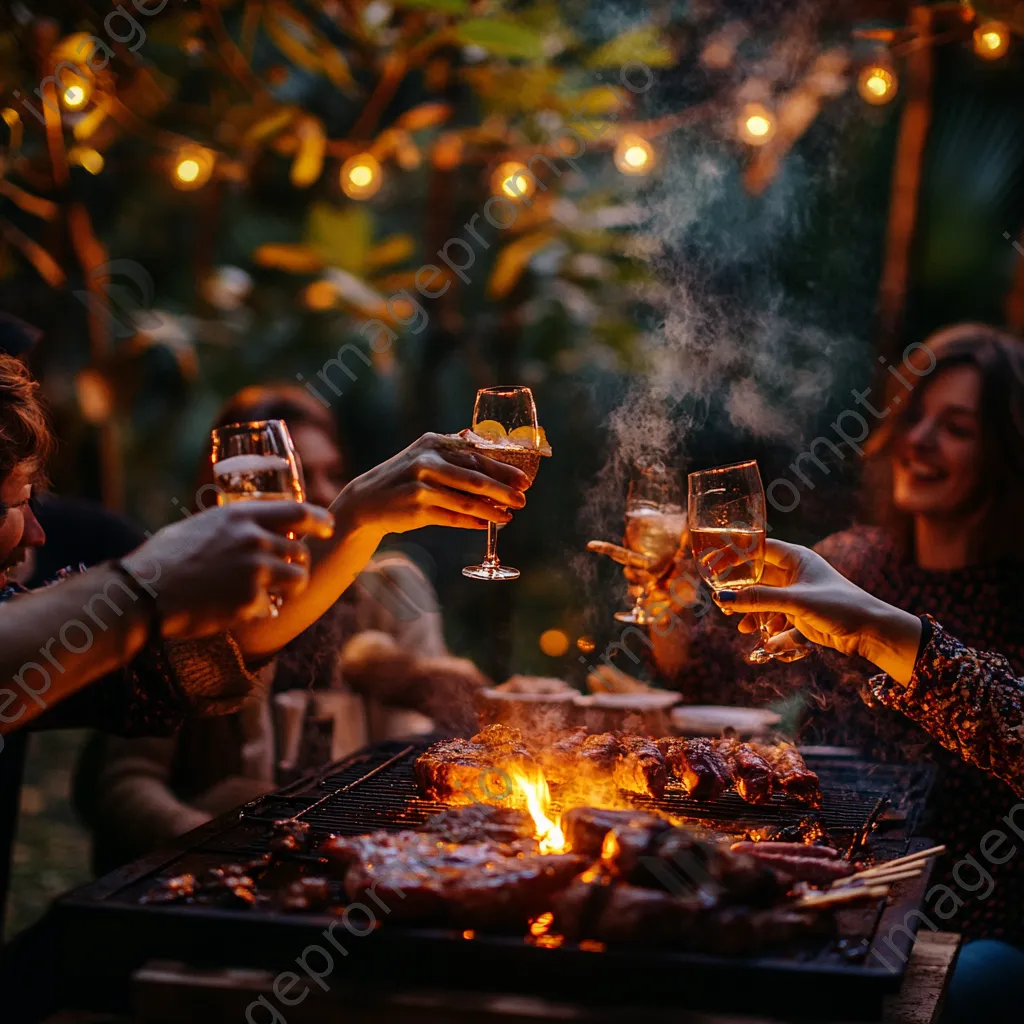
[
  {"x": 769, "y": 848},
  {"x": 471, "y": 824},
  {"x": 816, "y": 870},
  {"x": 635, "y": 836},
  {"x": 560, "y": 758},
  {"x": 485, "y": 884},
  {"x": 697, "y": 765},
  {"x": 640, "y": 767},
  {"x": 753, "y": 775},
  {"x": 792, "y": 775},
  {"x": 289, "y": 837},
  {"x": 308, "y": 893},
  {"x": 473, "y": 771}
]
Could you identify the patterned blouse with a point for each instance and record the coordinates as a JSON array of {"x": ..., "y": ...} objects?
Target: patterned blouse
[{"x": 970, "y": 701}]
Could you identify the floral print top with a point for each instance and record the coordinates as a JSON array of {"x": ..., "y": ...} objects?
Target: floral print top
[{"x": 971, "y": 701}]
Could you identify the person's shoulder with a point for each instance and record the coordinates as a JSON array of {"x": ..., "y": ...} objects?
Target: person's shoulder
[{"x": 852, "y": 549}]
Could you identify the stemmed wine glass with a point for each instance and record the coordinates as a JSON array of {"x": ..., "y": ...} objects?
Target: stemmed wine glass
[
  {"x": 257, "y": 461},
  {"x": 655, "y": 524},
  {"x": 727, "y": 531},
  {"x": 504, "y": 428}
]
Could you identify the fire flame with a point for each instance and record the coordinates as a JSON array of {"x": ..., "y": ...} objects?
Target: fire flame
[
  {"x": 610, "y": 847},
  {"x": 538, "y": 802}
]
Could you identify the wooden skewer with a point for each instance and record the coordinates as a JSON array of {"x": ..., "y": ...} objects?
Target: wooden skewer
[
  {"x": 911, "y": 858},
  {"x": 848, "y": 895},
  {"x": 899, "y": 875}
]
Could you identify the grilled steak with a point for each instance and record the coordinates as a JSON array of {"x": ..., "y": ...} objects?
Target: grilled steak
[
  {"x": 792, "y": 775},
  {"x": 472, "y": 824},
  {"x": 753, "y": 775},
  {"x": 476, "y": 770},
  {"x": 641, "y": 767},
  {"x": 698, "y": 766},
  {"x": 485, "y": 884}
]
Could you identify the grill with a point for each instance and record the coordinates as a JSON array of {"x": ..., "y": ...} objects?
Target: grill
[{"x": 108, "y": 933}]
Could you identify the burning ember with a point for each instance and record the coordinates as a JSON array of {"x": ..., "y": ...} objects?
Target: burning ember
[{"x": 538, "y": 802}]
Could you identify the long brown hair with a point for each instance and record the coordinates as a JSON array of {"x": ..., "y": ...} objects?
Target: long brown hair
[{"x": 999, "y": 359}]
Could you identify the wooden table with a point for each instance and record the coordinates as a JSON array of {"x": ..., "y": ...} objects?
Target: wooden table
[{"x": 168, "y": 993}]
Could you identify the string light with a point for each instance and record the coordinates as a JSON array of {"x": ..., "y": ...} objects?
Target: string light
[
  {"x": 634, "y": 155},
  {"x": 193, "y": 167},
  {"x": 991, "y": 40},
  {"x": 513, "y": 180},
  {"x": 876, "y": 84},
  {"x": 361, "y": 176},
  {"x": 756, "y": 124},
  {"x": 76, "y": 94}
]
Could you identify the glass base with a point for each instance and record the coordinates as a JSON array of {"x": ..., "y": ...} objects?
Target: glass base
[
  {"x": 490, "y": 572},
  {"x": 634, "y": 615}
]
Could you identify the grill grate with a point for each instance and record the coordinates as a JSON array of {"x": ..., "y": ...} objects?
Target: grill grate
[{"x": 379, "y": 791}]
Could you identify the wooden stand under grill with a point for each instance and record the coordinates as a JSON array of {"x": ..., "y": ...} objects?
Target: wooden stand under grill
[{"x": 168, "y": 993}]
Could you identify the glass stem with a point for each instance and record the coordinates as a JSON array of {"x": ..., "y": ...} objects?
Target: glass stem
[{"x": 492, "y": 545}]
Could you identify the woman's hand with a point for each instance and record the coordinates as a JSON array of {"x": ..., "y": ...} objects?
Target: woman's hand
[
  {"x": 824, "y": 607},
  {"x": 437, "y": 481}
]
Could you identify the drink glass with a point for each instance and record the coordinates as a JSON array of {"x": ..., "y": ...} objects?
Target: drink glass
[
  {"x": 655, "y": 524},
  {"x": 257, "y": 462},
  {"x": 504, "y": 428},
  {"x": 727, "y": 532}
]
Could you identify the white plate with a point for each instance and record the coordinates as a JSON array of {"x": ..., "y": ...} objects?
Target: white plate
[
  {"x": 564, "y": 697},
  {"x": 649, "y": 701},
  {"x": 712, "y": 719}
]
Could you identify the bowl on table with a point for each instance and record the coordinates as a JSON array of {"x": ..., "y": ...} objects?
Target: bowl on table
[
  {"x": 645, "y": 713},
  {"x": 714, "y": 719},
  {"x": 528, "y": 703}
]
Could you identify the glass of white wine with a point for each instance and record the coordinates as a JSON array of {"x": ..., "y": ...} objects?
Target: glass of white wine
[
  {"x": 727, "y": 532},
  {"x": 505, "y": 428},
  {"x": 655, "y": 525},
  {"x": 257, "y": 461}
]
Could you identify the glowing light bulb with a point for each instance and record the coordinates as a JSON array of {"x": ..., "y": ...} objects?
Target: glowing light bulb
[
  {"x": 75, "y": 97},
  {"x": 991, "y": 40},
  {"x": 634, "y": 155},
  {"x": 756, "y": 125},
  {"x": 192, "y": 167},
  {"x": 876, "y": 84},
  {"x": 361, "y": 176},
  {"x": 513, "y": 180}
]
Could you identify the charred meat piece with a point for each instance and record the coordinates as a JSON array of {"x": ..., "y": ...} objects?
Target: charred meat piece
[
  {"x": 816, "y": 870},
  {"x": 624, "y": 913},
  {"x": 560, "y": 757},
  {"x": 310, "y": 893},
  {"x": 698, "y": 766},
  {"x": 753, "y": 775},
  {"x": 586, "y": 829},
  {"x": 792, "y": 775},
  {"x": 472, "y": 824},
  {"x": 474, "y": 771},
  {"x": 289, "y": 836},
  {"x": 484, "y": 884},
  {"x": 600, "y": 751},
  {"x": 769, "y": 848},
  {"x": 641, "y": 767},
  {"x": 683, "y": 863},
  {"x": 179, "y": 889}
]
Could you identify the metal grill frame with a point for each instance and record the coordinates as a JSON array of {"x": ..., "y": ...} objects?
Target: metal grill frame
[{"x": 107, "y": 934}]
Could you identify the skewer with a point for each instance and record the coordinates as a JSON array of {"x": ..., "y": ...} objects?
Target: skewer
[
  {"x": 847, "y": 895},
  {"x": 887, "y": 877},
  {"x": 916, "y": 859}
]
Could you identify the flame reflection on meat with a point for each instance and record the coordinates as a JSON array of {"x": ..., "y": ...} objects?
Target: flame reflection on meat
[
  {"x": 610, "y": 848},
  {"x": 538, "y": 802}
]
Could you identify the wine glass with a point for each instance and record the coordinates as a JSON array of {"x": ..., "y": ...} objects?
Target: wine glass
[
  {"x": 727, "y": 531},
  {"x": 504, "y": 428},
  {"x": 257, "y": 461},
  {"x": 655, "y": 523}
]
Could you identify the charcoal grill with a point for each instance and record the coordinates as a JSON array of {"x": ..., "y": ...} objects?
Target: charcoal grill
[{"x": 107, "y": 933}]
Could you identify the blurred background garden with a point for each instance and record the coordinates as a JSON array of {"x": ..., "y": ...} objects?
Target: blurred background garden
[{"x": 692, "y": 252}]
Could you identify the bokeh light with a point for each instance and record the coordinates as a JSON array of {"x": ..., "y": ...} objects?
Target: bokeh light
[
  {"x": 361, "y": 176},
  {"x": 634, "y": 155}
]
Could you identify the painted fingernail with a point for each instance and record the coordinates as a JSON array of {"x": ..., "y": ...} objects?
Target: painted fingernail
[{"x": 725, "y": 596}]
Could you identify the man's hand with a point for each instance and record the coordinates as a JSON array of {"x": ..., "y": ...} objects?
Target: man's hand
[{"x": 217, "y": 568}]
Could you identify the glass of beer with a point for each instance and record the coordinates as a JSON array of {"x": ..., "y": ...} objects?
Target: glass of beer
[
  {"x": 257, "y": 462},
  {"x": 505, "y": 428},
  {"x": 727, "y": 532},
  {"x": 655, "y": 524}
]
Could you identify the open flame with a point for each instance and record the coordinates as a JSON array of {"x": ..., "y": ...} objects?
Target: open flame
[{"x": 538, "y": 802}]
